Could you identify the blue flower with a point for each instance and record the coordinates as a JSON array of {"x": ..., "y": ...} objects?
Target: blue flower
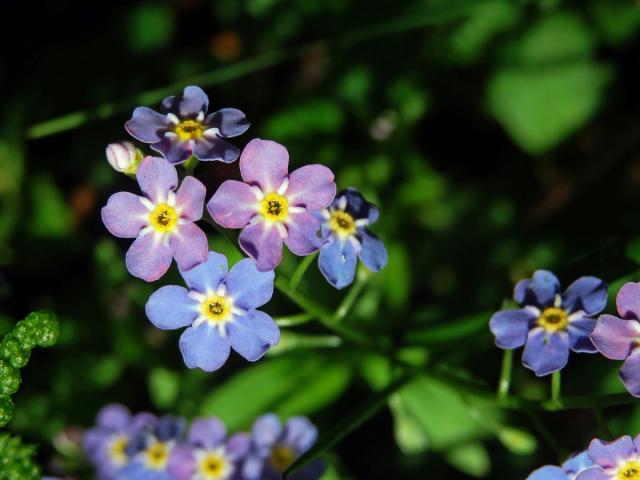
[
  {"x": 219, "y": 309},
  {"x": 346, "y": 237},
  {"x": 548, "y": 323},
  {"x": 275, "y": 447},
  {"x": 150, "y": 450},
  {"x": 184, "y": 129},
  {"x": 619, "y": 459},
  {"x": 106, "y": 444},
  {"x": 569, "y": 470}
]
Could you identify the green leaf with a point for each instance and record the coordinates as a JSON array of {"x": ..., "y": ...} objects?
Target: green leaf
[
  {"x": 617, "y": 20},
  {"x": 50, "y": 215},
  {"x": 164, "y": 386},
  {"x": 518, "y": 441},
  {"x": 315, "y": 117},
  {"x": 150, "y": 26},
  {"x": 633, "y": 250},
  {"x": 471, "y": 458}
]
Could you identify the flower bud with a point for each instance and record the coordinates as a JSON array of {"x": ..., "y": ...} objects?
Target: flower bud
[{"x": 124, "y": 157}]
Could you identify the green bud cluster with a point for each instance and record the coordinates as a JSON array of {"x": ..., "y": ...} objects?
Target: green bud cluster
[
  {"x": 38, "y": 329},
  {"x": 16, "y": 460}
]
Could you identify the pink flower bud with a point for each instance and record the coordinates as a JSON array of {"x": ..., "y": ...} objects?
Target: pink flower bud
[{"x": 124, "y": 157}]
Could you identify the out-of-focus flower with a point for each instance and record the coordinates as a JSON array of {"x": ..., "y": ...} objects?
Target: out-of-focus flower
[
  {"x": 208, "y": 453},
  {"x": 275, "y": 447},
  {"x": 617, "y": 460},
  {"x": 617, "y": 338},
  {"x": 124, "y": 157},
  {"x": 106, "y": 444},
  {"x": 184, "y": 129},
  {"x": 273, "y": 206},
  {"x": 346, "y": 237},
  {"x": 162, "y": 221},
  {"x": 219, "y": 309},
  {"x": 549, "y": 324},
  {"x": 150, "y": 450},
  {"x": 568, "y": 471}
]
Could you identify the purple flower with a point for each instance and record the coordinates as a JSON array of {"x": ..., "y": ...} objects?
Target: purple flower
[
  {"x": 272, "y": 206},
  {"x": 617, "y": 460},
  {"x": 184, "y": 129},
  {"x": 569, "y": 470},
  {"x": 150, "y": 451},
  {"x": 220, "y": 310},
  {"x": 106, "y": 444},
  {"x": 548, "y": 324},
  {"x": 618, "y": 338},
  {"x": 209, "y": 454},
  {"x": 162, "y": 221},
  {"x": 346, "y": 237},
  {"x": 275, "y": 447}
]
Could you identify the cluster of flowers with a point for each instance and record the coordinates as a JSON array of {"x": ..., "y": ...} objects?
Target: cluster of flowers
[
  {"x": 617, "y": 460},
  {"x": 123, "y": 446},
  {"x": 272, "y": 207},
  {"x": 550, "y": 323}
]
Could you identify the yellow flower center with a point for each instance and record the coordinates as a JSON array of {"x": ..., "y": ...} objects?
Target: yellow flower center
[
  {"x": 629, "y": 471},
  {"x": 213, "y": 466},
  {"x": 274, "y": 207},
  {"x": 163, "y": 218},
  {"x": 117, "y": 449},
  {"x": 282, "y": 457},
  {"x": 342, "y": 223},
  {"x": 189, "y": 130},
  {"x": 553, "y": 319},
  {"x": 157, "y": 455},
  {"x": 217, "y": 308}
]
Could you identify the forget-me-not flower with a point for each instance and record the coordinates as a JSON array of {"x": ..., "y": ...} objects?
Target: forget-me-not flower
[
  {"x": 617, "y": 460},
  {"x": 568, "y": 471}
]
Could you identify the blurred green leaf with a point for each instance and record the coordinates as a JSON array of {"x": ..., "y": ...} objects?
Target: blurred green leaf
[
  {"x": 617, "y": 20},
  {"x": 518, "y": 441},
  {"x": 315, "y": 117},
  {"x": 471, "y": 458},
  {"x": 164, "y": 386},
  {"x": 150, "y": 26},
  {"x": 50, "y": 215}
]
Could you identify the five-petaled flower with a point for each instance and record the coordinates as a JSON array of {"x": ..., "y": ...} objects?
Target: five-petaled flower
[
  {"x": 274, "y": 447},
  {"x": 617, "y": 460},
  {"x": 220, "y": 310},
  {"x": 568, "y": 471},
  {"x": 272, "y": 206},
  {"x": 162, "y": 221},
  {"x": 184, "y": 129},
  {"x": 346, "y": 237},
  {"x": 208, "y": 454},
  {"x": 548, "y": 324},
  {"x": 619, "y": 338}
]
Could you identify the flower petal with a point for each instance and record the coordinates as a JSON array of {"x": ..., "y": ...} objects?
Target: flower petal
[
  {"x": 546, "y": 353},
  {"x": 337, "y": 262},
  {"x": 189, "y": 245},
  {"x": 238, "y": 445},
  {"x": 204, "y": 347},
  {"x": 303, "y": 233},
  {"x": 124, "y": 215},
  {"x": 593, "y": 473},
  {"x": 264, "y": 163},
  {"x": 114, "y": 417},
  {"x": 579, "y": 331},
  {"x": 182, "y": 463},
  {"x": 615, "y": 337},
  {"x": 511, "y": 327},
  {"x": 147, "y": 125},
  {"x": 630, "y": 373},
  {"x": 548, "y": 472},
  {"x": 207, "y": 432},
  {"x": 577, "y": 463},
  {"x": 149, "y": 257},
  {"x": 157, "y": 178},
  {"x": 233, "y": 205},
  {"x": 357, "y": 206},
  {"x": 211, "y": 147},
  {"x": 628, "y": 300},
  {"x": 173, "y": 149},
  {"x": 230, "y": 122},
  {"x": 251, "y": 335},
  {"x": 300, "y": 433},
  {"x": 543, "y": 288},
  {"x": 586, "y": 293},
  {"x": 266, "y": 430},
  {"x": 609, "y": 454},
  {"x": 170, "y": 307},
  {"x": 190, "y": 198},
  {"x": 193, "y": 101},
  {"x": 249, "y": 287},
  {"x": 208, "y": 275},
  {"x": 263, "y": 242},
  {"x": 312, "y": 187},
  {"x": 372, "y": 252}
]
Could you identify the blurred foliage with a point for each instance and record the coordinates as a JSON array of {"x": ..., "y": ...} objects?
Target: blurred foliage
[
  {"x": 17, "y": 461},
  {"x": 496, "y": 137}
]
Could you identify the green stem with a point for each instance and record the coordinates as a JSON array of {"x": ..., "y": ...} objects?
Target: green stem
[
  {"x": 293, "y": 320},
  {"x": 301, "y": 270},
  {"x": 505, "y": 374},
  {"x": 556, "y": 386},
  {"x": 602, "y": 423},
  {"x": 350, "y": 298}
]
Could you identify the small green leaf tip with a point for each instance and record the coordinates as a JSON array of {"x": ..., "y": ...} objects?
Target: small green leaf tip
[{"x": 17, "y": 460}]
